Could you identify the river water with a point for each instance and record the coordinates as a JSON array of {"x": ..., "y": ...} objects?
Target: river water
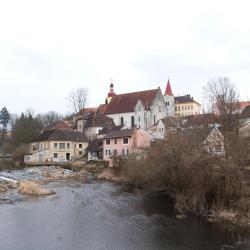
[{"x": 106, "y": 216}]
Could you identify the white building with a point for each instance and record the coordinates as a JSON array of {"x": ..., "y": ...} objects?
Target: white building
[{"x": 142, "y": 109}]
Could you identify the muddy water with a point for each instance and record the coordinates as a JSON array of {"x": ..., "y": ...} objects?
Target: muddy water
[{"x": 100, "y": 215}]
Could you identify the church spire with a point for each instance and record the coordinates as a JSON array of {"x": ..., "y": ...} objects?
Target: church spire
[
  {"x": 168, "y": 90},
  {"x": 111, "y": 92}
]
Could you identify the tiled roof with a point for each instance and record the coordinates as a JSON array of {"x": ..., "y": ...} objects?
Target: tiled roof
[
  {"x": 196, "y": 136},
  {"x": 184, "y": 99},
  {"x": 95, "y": 119},
  {"x": 201, "y": 120},
  {"x": 246, "y": 112},
  {"x": 107, "y": 130},
  {"x": 87, "y": 110},
  {"x": 171, "y": 122},
  {"x": 102, "y": 108},
  {"x": 58, "y": 125},
  {"x": 125, "y": 103},
  {"x": 119, "y": 134},
  {"x": 60, "y": 135}
]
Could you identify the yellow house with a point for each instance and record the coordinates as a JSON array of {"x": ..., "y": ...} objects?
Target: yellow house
[
  {"x": 186, "y": 106},
  {"x": 57, "y": 145}
]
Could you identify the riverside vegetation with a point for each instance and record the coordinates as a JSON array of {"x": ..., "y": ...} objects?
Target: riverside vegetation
[{"x": 200, "y": 183}]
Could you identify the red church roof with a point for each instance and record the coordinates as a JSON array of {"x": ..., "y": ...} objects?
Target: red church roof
[
  {"x": 125, "y": 103},
  {"x": 168, "y": 89}
]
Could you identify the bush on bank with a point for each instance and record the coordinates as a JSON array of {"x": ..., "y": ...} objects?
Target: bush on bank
[{"x": 199, "y": 182}]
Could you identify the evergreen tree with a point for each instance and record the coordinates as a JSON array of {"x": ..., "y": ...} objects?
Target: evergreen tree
[{"x": 4, "y": 117}]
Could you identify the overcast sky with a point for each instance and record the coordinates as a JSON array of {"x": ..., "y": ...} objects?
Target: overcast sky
[{"x": 48, "y": 48}]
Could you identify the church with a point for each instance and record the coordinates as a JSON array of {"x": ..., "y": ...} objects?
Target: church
[{"x": 142, "y": 109}]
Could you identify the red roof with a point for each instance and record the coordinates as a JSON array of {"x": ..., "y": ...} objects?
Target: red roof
[
  {"x": 59, "y": 125},
  {"x": 243, "y": 104},
  {"x": 125, "y": 103},
  {"x": 102, "y": 108},
  {"x": 87, "y": 110},
  {"x": 168, "y": 89}
]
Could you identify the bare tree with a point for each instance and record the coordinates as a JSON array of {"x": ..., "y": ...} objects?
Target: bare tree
[
  {"x": 77, "y": 101},
  {"x": 49, "y": 118},
  {"x": 222, "y": 98}
]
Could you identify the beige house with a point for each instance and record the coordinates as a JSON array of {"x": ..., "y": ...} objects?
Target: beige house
[
  {"x": 186, "y": 106},
  {"x": 56, "y": 145}
]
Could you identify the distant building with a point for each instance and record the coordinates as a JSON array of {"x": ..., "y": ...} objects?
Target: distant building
[
  {"x": 245, "y": 120},
  {"x": 92, "y": 123},
  {"x": 166, "y": 125},
  {"x": 57, "y": 145},
  {"x": 209, "y": 139},
  {"x": 95, "y": 150},
  {"x": 142, "y": 109},
  {"x": 186, "y": 106},
  {"x": 124, "y": 142}
]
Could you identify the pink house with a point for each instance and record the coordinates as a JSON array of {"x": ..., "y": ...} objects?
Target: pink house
[{"x": 124, "y": 142}]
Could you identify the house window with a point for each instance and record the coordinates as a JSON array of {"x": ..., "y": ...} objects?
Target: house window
[
  {"x": 175, "y": 108},
  {"x": 132, "y": 121},
  {"x": 55, "y": 145},
  {"x": 61, "y": 145},
  {"x": 154, "y": 119},
  {"x": 115, "y": 151},
  {"x": 109, "y": 152},
  {"x": 80, "y": 145},
  {"x": 55, "y": 155},
  {"x": 123, "y": 151},
  {"x": 68, "y": 145},
  {"x": 106, "y": 152},
  {"x": 179, "y": 108},
  {"x": 127, "y": 152},
  {"x": 139, "y": 118},
  {"x": 115, "y": 141},
  {"x": 80, "y": 152},
  {"x": 107, "y": 142},
  {"x": 122, "y": 121},
  {"x": 125, "y": 140}
]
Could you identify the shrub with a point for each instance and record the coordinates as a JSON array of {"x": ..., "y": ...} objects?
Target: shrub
[{"x": 199, "y": 182}]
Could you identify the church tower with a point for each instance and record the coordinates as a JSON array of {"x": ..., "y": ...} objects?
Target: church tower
[
  {"x": 111, "y": 93},
  {"x": 169, "y": 100}
]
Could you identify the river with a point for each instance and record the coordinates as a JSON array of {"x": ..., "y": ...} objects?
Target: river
[{"x": 106, "y": 216}]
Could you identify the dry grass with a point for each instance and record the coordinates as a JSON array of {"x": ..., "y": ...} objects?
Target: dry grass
[
  {"x": 33, "y": 188},
  {"x": 3, "y": 189}
]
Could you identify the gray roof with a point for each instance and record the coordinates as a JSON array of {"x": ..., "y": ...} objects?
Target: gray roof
[
  {"x": 95, "y": 146},
  {"x": 95, "y": 119},
  {"x": 196, "y": 135},
  {"x": 119, "y": 134},
  {"x": 60, "y": 135},
  {"x": 171, "y": 122},
  {"x": 184, "y": 99},
  {"x": 107, "y": 130}
]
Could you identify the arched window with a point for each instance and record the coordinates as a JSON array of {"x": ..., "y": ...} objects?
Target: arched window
[
  {"x": 132, "y": 121},
  {"x": 122, "y": 121}
]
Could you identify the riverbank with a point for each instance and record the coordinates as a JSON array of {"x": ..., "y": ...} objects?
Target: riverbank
[{"x": 237, "y": 214}]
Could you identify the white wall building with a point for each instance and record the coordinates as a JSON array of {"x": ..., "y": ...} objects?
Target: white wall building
[{"x": 141, "y": 109}]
